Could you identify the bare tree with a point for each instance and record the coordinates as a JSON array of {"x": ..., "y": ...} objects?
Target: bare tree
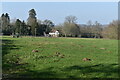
[
  {"x": 111, "y": 31},
  {"x": 71, "y": 29},
  {"x": 71, "y": 19},
  {"x": 97, "y": 29}
]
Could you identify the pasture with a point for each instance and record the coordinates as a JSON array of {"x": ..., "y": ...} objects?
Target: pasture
[{"x": 42, "y": 57}]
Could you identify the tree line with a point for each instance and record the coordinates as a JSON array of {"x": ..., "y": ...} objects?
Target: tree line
[
  {"x": 33, "y": 26},
  {"x": 70, "y": 27}
]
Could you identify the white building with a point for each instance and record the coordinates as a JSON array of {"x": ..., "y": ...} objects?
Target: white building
[{"x": 55, "y": 33}]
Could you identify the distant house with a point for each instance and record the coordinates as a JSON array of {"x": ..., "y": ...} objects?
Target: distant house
[{"x": 54, "y": 33}]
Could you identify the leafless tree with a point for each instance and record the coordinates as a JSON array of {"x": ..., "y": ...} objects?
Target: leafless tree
[
  {"x": 71, "y": 19},
  {"x": 111, "y": 31}
]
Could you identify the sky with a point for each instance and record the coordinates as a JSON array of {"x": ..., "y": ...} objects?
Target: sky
[
  {"x": 103, "y": 12},
  {"x": 60, "y": 0}
]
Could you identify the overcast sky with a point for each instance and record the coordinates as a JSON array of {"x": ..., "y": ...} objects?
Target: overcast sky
[{"x": 103, "y": 12}]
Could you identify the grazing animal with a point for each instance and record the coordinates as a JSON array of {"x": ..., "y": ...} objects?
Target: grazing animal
[{"x": 86, "y": 59}]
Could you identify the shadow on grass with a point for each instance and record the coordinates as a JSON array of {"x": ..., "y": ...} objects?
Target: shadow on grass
[
  {"x": 9, "y": 62},
  {"x": 7, "y": 45},
  {"x": 107, "y": 70},
  {"x": 44, "y": 73},
  {"x": 26, "y": 73}
]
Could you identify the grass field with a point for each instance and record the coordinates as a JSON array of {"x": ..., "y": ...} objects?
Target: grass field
[{"x": 20, "y": 62}]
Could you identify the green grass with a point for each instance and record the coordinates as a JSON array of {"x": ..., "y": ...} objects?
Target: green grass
[{"x": 20, "y": 62}]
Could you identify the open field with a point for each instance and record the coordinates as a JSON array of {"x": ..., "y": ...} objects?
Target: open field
[{"x": 19, "y": 59}]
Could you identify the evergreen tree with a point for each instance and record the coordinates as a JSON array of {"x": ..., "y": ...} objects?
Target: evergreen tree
[
  {"x": 5, "y": 24},
  {"x": 48, "y": 25},
  {"x": 32, "y": 21},
  {"x": 18, "y": 26},
  {"x": 24, "y": 28}
]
